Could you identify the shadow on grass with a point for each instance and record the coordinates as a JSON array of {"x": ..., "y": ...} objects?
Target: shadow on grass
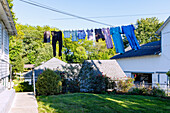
[{"x": 101, "y": 103}]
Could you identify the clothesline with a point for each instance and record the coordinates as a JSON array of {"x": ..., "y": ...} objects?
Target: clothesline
[{"x": 104, "y": 34}]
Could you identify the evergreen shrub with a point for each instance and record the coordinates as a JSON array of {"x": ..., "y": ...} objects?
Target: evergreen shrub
[{"x": 49, "y": 83}]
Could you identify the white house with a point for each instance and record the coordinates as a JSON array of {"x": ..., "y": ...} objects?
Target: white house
[
  {"x": 7, "y": 27},
  {"x": 151, "y": 62}
]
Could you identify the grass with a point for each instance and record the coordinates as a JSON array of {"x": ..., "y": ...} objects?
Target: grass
[{"x": 101, "y": 103}]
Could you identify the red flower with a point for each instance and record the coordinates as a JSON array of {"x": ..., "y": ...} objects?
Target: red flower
[
  {"x": 135, "y": 75},
  {"x": 125, "y": 76},
  {"x": 103, "y": 75}
]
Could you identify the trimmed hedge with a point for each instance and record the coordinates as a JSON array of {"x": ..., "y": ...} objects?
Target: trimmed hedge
[{"x": 49, "y": 83}]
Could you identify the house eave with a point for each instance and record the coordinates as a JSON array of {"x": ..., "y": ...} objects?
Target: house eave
[
  {"x": 6, "y": 17},
  {"x": 136, "y": 56},
  {"x": 161, "y": 28}
]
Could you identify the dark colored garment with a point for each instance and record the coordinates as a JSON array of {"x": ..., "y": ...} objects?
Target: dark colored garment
[
  {"x": 81, "y": 34},
  {"x": 47, "y": 37},
  {"x": 98, "y": 34},
  {"x": 117, "y": 39},
  {"x": 57, "y": 36},
  {"x": 129, "y": 32}
]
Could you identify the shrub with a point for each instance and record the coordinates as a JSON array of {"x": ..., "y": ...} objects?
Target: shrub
[
  {"x": 158, "y": 92},
  {"x": 49, "y": 83},
  {"x": 125, "y": 85},
  {"x": 101, "y": 83},
  {"x": 70, "y": 78},
  {"x": 23, "y": 87},
  {"x": 168, "y": 73},
  {"x": 148, "y": 91}
]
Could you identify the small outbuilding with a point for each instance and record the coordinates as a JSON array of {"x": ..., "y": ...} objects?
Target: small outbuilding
[{"x": 53, "y": 64}]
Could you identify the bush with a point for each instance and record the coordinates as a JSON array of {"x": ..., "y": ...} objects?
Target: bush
[
  {"x": 148, "y": 91},
  {"x": 23, "y": 87},
  {"x": 49, "y": 83},
  {"x": 100, "y": 83},
  {"x": 168, "y": 73},
  {"x": 158, "y": 92},
  {"x": 70, "y": 78},
  {"x": 125, "y": 85}
]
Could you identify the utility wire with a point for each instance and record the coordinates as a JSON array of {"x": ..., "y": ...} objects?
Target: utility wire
[
  {"x": 114, "y": 16},
  {"x": 62, "y": 12}
]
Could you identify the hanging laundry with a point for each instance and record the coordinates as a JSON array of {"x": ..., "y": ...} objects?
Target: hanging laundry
[
  {"x": 67, "y": 34},
  {"x": 89, "y": 34},
  {"x": 74, "y": 35},
  {"x": 57, "y": 36},
  {"x": 81, "y": 34},
  {"x": 106, "y": 32},
  {"x": 47, "y": 37},
  {"x": 98, "y": 34},
  {"x": 129, "y": 32},
  {"x": 117, "y": 39}
]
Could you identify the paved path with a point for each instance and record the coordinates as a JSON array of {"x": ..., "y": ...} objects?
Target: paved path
[{"x": 24, "y": 103}]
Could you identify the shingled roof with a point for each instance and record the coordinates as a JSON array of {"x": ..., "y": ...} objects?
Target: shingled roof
[
  {"x": 109, "y": 67},
  {"x": 152, "y": 48},
  {"x": 53, "y": 64}
]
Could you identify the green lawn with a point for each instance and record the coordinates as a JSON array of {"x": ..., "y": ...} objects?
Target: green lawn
[{"x": 101, "y": 103}]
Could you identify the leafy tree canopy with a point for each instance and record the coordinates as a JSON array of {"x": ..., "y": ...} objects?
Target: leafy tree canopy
[{"x": 146, "y": 29}]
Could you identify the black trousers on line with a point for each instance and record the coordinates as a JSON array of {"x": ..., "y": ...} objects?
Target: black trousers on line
[{"x": 57, "y": 36}]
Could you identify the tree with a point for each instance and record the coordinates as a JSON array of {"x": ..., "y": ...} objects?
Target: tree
[
  {"x": 99, "y": 51},
  {"x": 146, "y": 29},
  {"x": 18, "y": 65},
  {"x": 15, "y": 54},
  {"x": 10, "y": 7},
  {"x": 44, "y": 54}
]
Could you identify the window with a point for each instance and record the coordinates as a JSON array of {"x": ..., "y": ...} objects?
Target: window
[{"x": 5, "y": 42}]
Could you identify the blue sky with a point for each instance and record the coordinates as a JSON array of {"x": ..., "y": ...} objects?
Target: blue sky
[{"x": 32, "y": 15}]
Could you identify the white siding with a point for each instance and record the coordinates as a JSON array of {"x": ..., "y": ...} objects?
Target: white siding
[
  {"x": 152, "y": 63},
  {"x": 4, "y": 55}
]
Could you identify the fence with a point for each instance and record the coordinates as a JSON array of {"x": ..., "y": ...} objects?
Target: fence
[{"x": 165, "y": 86}]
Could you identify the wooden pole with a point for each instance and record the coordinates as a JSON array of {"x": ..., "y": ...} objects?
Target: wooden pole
[{"x": 33, "y": 75}]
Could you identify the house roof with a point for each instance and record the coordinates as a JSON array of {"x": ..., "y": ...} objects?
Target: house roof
[
  {"x": 53, "y": 63},
  {"x": 152, "y": 48},
  {"x": 165, "y": 23},
  {"x": 109, "y": 68},
  {"x": 7, "y": 18}
]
